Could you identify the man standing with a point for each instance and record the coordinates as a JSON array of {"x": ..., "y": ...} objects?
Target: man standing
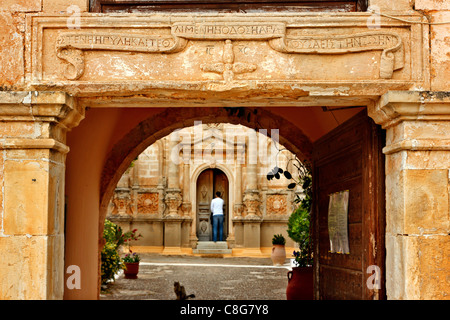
[{"x": 217, "y": 211}]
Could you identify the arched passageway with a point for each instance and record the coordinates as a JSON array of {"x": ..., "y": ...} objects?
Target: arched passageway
[{"x": 105, "y": 143}]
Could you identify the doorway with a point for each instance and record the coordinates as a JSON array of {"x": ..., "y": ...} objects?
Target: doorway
[
  {"x": 146, "y": 125},
  {"x": 208, "y": 183}
]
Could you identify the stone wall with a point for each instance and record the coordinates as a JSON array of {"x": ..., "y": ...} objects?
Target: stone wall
[{"x": 48, "y": 78}]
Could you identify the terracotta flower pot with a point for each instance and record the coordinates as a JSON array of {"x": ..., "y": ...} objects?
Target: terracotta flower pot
[
  {"x": 278, "y": 255},
  {"x": 300, "y": 284},
  {"x": 131, "y": 271}
]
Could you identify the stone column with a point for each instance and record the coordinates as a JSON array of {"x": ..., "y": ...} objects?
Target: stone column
[
  {"x": 238, "y": 187},
  {"x": 251, "y": 194},
  {"x": 135, "y": 187},
  {"x": 173, "y": 200},
  {"x": 173, "y": 195},
  {"x": 33, "y": 131},
  {"x": 186, "y": 205},
  {"x": 417, "y": 193},
  {"x": 252, "y": 219}
]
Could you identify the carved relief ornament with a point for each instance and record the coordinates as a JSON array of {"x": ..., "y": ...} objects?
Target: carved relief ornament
[{"x": 70, "y": 46}]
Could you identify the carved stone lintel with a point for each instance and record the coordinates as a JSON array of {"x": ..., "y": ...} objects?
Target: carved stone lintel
[{"x": 70, "y": 46}]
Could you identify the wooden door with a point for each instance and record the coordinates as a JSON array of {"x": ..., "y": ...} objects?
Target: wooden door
[
  {"x": 205, "y": 184},
  {"x": 210, "y": 181},
  {"x": 350, "y": 158},
  {"x": 221, "y": 185}
]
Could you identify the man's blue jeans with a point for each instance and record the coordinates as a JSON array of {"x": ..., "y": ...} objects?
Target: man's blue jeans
[{"x": 217, "y": 222}]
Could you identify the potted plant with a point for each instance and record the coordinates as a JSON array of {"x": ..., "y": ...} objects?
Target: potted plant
[
  {"x": 111, "y": 262},
  {"x": 131, "y": 261},
  {"x": 278, "y": 255},
  {"x": 300, "y": 279}
]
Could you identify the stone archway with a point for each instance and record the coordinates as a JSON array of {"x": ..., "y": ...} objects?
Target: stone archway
[
  {"x": 43, "y": 100},
  {"x": 161, "y": 124},
  {"x": 97, "y": 162}
]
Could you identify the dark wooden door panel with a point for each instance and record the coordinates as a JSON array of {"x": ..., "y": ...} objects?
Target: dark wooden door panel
[
  {"x": 342, "y": 285},
  {"x": 221, "y": 185},
  {"x": 350, "y": 166},
  {"x": 350, "y": 158},
  {"x": 204, "y": 197}
]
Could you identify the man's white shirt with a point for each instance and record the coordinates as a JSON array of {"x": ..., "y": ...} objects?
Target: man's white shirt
[{"x": 217, "y": 206}]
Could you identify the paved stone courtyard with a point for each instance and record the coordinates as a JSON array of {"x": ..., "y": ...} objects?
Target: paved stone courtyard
[{"x": 207, "y": 278}]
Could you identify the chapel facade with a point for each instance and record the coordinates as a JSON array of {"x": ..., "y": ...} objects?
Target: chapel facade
[{"x": 171, "y": 184}]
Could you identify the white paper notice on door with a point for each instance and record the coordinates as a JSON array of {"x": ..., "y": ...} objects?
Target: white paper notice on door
[{"x": 337, "y": 222}]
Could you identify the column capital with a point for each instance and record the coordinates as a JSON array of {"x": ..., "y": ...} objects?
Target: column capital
[
  {"x": 173, "y": 200},
  {"x": 414, "y": 120},
  {"x": 252, "y": 202},
  {"x": 397, "y": 106},
  {"x": 47, "y": 106}
]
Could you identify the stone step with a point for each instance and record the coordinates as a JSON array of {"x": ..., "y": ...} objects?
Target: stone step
[
  {"x": 211, "y": 247},
  {"x": 211, "y": 251}
]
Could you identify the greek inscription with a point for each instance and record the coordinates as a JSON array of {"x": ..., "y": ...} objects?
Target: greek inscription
[
  {"x": 392, "y": 55},
  {"x": 228, "y": 31},
  {"x": 357, "y": 42},
  {"x": 70, "y": 46},
  {"x": 113, "y": 42}
]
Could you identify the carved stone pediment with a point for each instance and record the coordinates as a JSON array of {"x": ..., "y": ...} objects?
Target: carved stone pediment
[{"x": 211, "y": 145}]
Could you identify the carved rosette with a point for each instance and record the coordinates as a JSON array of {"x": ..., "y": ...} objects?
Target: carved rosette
[
  {"x": 252, "y": 203},
  {"x": 148, "y": 203},
  {"x": 276, "y": 204},
  {"x": 173, "y": 200}
]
